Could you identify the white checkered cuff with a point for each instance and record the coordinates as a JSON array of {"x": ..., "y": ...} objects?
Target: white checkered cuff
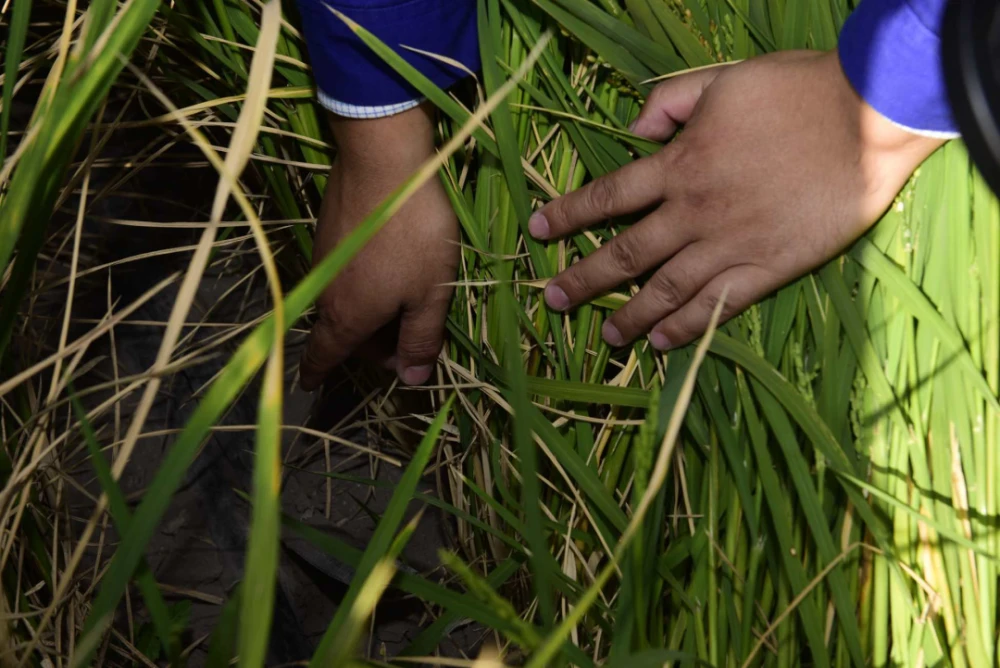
[{"x": 357, "y": 111}]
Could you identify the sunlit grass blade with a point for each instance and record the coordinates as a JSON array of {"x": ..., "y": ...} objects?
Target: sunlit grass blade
[
  {"x": 369, "y": 591},
  {"x": 345, "y": 619},
  {"x": 263, "y": 545},
  {"x": 911, "y": 298}
]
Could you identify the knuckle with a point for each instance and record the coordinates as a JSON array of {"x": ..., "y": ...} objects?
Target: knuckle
[
  {"x": 420, "y": 347},
  {"x": 330, "y": 320},
  {"x": 667, "y": 290},
  {"x": 625, "y": 255},
  {"x": 604, "y": 196},
  {"x": 710, "y": 302},
  {"x": 576, "y": 282}
]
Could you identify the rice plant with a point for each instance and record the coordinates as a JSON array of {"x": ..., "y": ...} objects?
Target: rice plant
[{"x": 813, "y": 484}]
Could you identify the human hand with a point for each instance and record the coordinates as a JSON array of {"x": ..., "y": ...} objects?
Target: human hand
[
  {"x": 390, "y": 303},
  {"x": 779, "y": 167}
]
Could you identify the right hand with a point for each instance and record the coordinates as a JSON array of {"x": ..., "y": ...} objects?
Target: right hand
[{"x": 390, "y": 303}]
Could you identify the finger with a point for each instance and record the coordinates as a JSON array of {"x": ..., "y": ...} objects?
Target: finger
[
  {"x": 668, "y": 290},
  {"x": 331, "y": 340},
  {"x": 380, "y": 348},
  {"x": 633, "y": 252},
  {"x": 421, "y": 334},
  {"x": 671, "y": 104},
  {"x": 746, "y": 284},
  {"x": 635, "y": 186}
]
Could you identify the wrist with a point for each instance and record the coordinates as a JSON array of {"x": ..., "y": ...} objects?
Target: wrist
[
  {"x": 880, "y": 136},
  {"x": 388, "y": 145}
]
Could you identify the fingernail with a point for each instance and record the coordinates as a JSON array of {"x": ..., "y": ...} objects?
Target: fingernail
[
  {"x": 416, "y": 375},
  {"x": 612, "y": 335},
  {"x": 538, "y": 225},
  {"x": 631, "y": 126},
  {"x": 556, "y": 298},
  {"x": 659, "y": 341}
]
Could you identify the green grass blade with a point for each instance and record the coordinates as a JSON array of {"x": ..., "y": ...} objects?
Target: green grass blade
[
  {"x": 523, "y": 633},
  {"x": 381, "y": 540},
  {"x": 541, "y": 561},
  {"x": 635, "y": 55},
  {"x": 222, "y": 645},
  {"x": 914, "y": 301},
  {"x": 369, "y": 591},
  {"x": 155, "y": 605},
  {"x": 778, "y": 502},
  {"x": 16, "y": 33},
  {"x": 810, "y": 504},
  {"x": 34, "y": 185}
]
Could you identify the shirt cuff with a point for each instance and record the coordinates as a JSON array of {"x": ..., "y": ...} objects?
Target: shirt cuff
[
  {"x": 891, "y": 53},
  {"x": 348, "y": 110},
  {"x": 353, "y": 81}
]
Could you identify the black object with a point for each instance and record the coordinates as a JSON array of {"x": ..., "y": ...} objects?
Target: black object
[{"x": 971, "y": 53}]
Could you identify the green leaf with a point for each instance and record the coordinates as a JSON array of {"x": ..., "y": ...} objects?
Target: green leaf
[
  {"x": 155, "y": 604},
  {"x": 381, "y": 540},
  {"x": 918, "y": 305}
]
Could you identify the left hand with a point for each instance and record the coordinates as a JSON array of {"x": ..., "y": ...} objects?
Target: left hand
[{"x": 780, "y": 167}]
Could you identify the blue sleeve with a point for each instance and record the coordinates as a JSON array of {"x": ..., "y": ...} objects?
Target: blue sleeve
[
  {"x": 353, "y": 81},
  {"x": 891, "y": 53}
]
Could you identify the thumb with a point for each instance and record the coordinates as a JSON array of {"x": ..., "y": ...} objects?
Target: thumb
[
  {"x": 421, "y": 335},
  {"x": 672, "y": 103}
]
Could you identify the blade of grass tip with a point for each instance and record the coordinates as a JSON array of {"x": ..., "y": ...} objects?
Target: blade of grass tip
[
  {"x": 368, "y": 597},
  {"x": 16, "y": 33},
  {"x": 243, "y": 364},
  {"x": 381, "y": 539},
  {"x": 121, "y": 517},
  {"x": 553, "y": 641},
  {"x": 263, "y": 544},
  {"x": 531, "y": 494}
]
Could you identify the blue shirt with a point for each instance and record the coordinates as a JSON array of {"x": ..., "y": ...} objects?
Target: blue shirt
[
  {"x": 890, "y": 51},
  {"x": 352, "y": 81}
]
